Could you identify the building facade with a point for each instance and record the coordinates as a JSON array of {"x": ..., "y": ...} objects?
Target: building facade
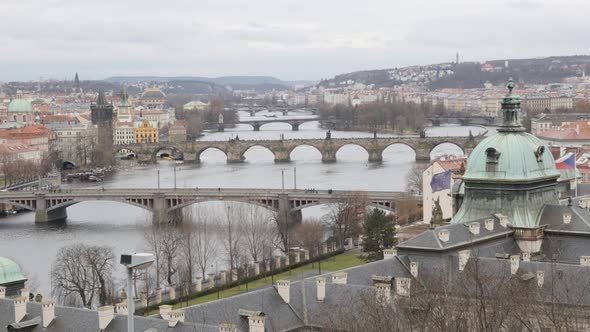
[{"x": 146, "y": 132}]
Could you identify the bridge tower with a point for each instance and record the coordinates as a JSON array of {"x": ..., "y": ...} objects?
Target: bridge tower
[{"x": 102, "y": 118}]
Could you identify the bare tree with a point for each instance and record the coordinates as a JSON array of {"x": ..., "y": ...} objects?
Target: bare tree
[
  {"x": 309, "y": 234},
  {"x": 233, "y": 237},
  {"x": 203, "y": 241},
  {"x": 81, "y": 272},
  {"x": 257, "y": 227},
  {"x": 345, "y": 217},
  {"x": 414, "y": 179}
]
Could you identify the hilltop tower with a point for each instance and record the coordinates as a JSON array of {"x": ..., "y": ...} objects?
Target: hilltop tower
[
  {"x": 102, "y": 118},
  {"x": 77, "y": 83}
]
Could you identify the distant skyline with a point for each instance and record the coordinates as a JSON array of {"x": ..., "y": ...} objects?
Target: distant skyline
[{"x": 290, "y": 40}]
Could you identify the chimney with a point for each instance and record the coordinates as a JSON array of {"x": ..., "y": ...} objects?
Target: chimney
[
  {"x": 402, "y": 286},
  {"x": 464, "y": 258},
  {"x": 20, "y": 308},
  {"x": 339, "y": 278},
  {"x": 2, "y": 292},
  {"x": 489, "y": 224},
  {"x": 25, "y": 293},
  {"x": 383, "y": 288},
  {"x": 256, "y": 323},
  {"x": 165, "y": 309},
  {"x": 227, "y": 327},
  {"x": 283, "y": 289},
  {"x": 567, "y": 218},
  {"x": 389, "y": 253},
  {"x": 414, "y": 269},
  {"x": 105, "y": 316},
  {"x": 585, "y": 260},
  {"x": 503, "y": 220},
  {"x": 514, "y": 262},
  {"x": 121, "y": 308},
  {"x": 321, "y": 288},
  {"x": 474, "y": 228},
  {"x": 526, "y": 256},
  {"x": 48, "y": 312},
  {"x": 174, "y": 317},
  {"x": 540, "y": 278},
  {"x": 443, "y": 235}
]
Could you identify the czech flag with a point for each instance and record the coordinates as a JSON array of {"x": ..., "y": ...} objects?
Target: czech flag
[{"x": 568, "y": 161}]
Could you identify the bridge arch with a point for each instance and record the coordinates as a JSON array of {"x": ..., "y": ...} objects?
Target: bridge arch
[
  {"x": 319, "y": 150},
  {"x": 164, "y": 147},
  {"x": 447, "y": 142},
  {"x": 398, "y": 152},
  {"x": 351, "y": 144},
  {"x": 264, "y": 123},
  {"x": 209, "y": 147},
  {"x": 110, "y": 199},
  {"x": 249, "y": 147},
  {"x": 22, "y": 206},
  {"x": 222, "y": 199}
]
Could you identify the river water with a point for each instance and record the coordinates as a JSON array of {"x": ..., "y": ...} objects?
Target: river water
[{"x": 34, "y": 246}]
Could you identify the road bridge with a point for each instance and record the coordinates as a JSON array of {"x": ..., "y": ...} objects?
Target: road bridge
[
  {"x": 294, "y": 123},
  {"x": 167, "y": 204},
  {"x": 281, "y": 149},
  {"x": 463, "y": 120}
]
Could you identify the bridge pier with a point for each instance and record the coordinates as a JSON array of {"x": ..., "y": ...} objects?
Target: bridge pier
[
  {"x": 220, "y": 127},
  {"x": 295, "y": 126},
  {"x": 252, "y": 113},
  {"x": 160, "y": 213},
  {"x": 285, "y": 112},
  {"x": 423, "y": 154},
  {"x": 234, "y": 157},
  {"x": 375, "y": 155},
  {"x": 256, "y": 126},
  {"x": 328, "y": 156},
  {"x": 282, "y": 156},
  {"x": 191, "y": 157},
  {"x": 42, "y": 214}
]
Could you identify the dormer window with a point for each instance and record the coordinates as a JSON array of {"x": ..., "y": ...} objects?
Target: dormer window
[
  {"x": 539, "y": 153},
  {"x": 492, "y": 156}
]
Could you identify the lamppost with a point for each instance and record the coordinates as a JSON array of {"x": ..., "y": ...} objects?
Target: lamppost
[
  {"x": 175, "y": 178},
  {"x": 158, "y": 180},
  {"x": 137, "y": 261}
]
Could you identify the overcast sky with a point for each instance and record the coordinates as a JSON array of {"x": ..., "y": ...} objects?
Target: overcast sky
[{"x": 288, "y": 39}]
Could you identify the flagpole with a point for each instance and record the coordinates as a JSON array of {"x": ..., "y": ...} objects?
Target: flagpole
[{"x": 575, "y": 177}]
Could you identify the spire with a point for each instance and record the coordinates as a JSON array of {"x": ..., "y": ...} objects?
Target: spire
[
  {"x": 77, "y": 82},
  {"x": 102, "y": 99},
  {"x": 124, "y": 96},
  {"x": 510, "y": 110}
]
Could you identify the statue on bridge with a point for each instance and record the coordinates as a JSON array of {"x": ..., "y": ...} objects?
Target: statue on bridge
[{"x": 328, "y": 134}]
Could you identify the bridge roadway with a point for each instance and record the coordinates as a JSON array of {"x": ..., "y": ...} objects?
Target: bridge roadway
[
  {"x": 236, "y": 149},
  {"x": 167, "y": 204}
]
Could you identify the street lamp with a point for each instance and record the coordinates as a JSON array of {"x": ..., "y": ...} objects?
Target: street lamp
[{"x": 137, "y": 261}]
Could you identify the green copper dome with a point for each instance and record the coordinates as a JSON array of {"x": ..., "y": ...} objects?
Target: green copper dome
[
  {"x": 20, "y": 106},
  {"x": 510, "y": 173},
  {"x": 9, "y": 271},
  {"x": 511, "y": 156}
]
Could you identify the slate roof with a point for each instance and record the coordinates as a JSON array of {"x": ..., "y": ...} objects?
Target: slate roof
[{"x": 70, "y": 319}]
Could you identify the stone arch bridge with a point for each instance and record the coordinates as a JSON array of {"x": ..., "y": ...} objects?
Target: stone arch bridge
[
  {"x": 166, "y": 204},
  {"x": 236, "y": 149}
]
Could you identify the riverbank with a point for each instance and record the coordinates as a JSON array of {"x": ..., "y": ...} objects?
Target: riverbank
[{"x": 335, "y": 263}]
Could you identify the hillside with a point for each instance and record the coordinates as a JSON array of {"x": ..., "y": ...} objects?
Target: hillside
[{"x": 468, "y": 74}]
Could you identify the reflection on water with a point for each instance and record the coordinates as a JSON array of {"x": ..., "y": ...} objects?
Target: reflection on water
[{"x": 121, "y": 226}]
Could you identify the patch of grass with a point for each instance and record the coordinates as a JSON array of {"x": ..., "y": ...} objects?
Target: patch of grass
[{"x": 335, "y": 263}]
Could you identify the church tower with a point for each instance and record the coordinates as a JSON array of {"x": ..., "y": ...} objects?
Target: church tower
[{"x": 102, "y": 118}]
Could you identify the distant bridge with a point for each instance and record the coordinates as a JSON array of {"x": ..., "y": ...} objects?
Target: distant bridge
[
  {"x": 463, "y": 119},
  {"x": 235, "y": 149},
  {"x": 294, "y": 123},
  {"x": 167, "y": 204}
]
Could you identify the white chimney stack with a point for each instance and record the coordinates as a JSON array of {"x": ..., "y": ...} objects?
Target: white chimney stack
[
  {"x": 256, "y": 323},
  {"x": 383, "y": 288},
  {"x": 402, "y": 286},
  {"x": 567, "y": 218},
  {"x": 121, "y": 308},
  {"x": 474, "y": 228},
  {"x": 25, "y": 293},
  {"x": 489, "y": 224},
  {"x": 389, "y": 253},
  {"x": 414, "y": 269},
  {"x": 105, "y": 316},
  {"x": 514, "y": 263},
  {"x": 20, "y": 308},
  {"x": 227, "y": 327},
  {"x": 443, "y": 235},
  {"x": 165, "y": 309},
  {"x": 340, "y": 278},
  {"x": 503, "y": 220},
  {"x": 585, "y": 260},
  {"x": 540, "y": 278},
  {"x": 464, "y": 258},
  {"x": 2, "y": 292},
  {"x": 283, "y": 289},
  {"x": 321, "y": 288},
  {"x": 174, "y": 317},
  {"x": 48, "y": 313}
]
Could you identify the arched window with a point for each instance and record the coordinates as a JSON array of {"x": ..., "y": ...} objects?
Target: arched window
[{"x": 24, "y": 118}]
